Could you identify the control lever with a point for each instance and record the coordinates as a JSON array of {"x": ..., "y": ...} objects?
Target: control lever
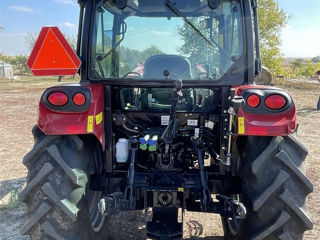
[{"x": 170, "y": 132}]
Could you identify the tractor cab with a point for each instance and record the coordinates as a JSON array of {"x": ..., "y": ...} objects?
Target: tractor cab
[{"x": 139, "y": 40}]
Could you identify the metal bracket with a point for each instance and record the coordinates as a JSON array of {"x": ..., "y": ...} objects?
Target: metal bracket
[
  {"x": 235, "y": 103},
  {"x": 112, "y": 204},
  {"x": 231, "y": 207}
]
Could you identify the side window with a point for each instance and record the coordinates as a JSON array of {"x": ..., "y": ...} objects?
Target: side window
[
  {"x": 105, "y": 31},
  {"x": 102, "y": 45},
  {"x": 230, "y": 28},
  {"x": 236, "y": 31}
]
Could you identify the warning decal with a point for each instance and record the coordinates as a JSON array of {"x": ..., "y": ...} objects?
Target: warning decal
[
  {"x": 99, "y": 118},
  {"x": 241, "y": 125},
  {"x": 90, "y": 124}
]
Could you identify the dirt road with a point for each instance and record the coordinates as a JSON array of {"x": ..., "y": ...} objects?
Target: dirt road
[{"x": 18, "y": 111}]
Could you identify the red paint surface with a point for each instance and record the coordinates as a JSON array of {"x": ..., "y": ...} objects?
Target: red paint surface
[
  {"x": 277, "y": 124},
  {"x": 240, "y": 89},
  {"x": 64, "y": 123},
  {"x": 52, "y": 55},
  {"x": 281, "y": 124}
]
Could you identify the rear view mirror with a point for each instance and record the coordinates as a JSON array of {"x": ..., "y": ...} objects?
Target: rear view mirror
[
  {"x": 265, "y": 77},
  {"x": 207, "y": 23},
  {"x": 121, "y": 4}
]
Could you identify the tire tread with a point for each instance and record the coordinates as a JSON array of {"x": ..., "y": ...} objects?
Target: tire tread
[
  {"x": 285, "y": 159},
  {"x": 269, "y": 191},
  {"x": 284, "y": 217},
  {"x": 53, "y": 196},
  {"x": 35, "y": 218},
  {"x": 46, "y": 169}
]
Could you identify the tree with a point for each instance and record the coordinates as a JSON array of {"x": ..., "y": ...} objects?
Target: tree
[
  {"x": 296, "y": 67},
  {"x": 194, "y": 47},
  {"x": 1, "y": 28},
  {"x": 3, "y": 57},
  {"x": 130, "y": 58},
  {"x": 19, "y": 63},
  {"x": 298, "y": 63},
  {"x": 309, "y": 69},
  {"x": 272, "y": 19},
  {"x": 150, "y": 51},
  {"x": 316, "y": 59},
  {"x": 31, "y": 39}
]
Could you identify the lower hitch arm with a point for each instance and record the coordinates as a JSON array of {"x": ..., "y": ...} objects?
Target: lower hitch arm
[
  {"x": 206, "y": 195},
  {"x": 115, "y": 202},
  {"x": 129, "y": 191}
]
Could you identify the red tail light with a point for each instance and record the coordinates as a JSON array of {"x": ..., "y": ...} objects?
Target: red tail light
[
  {"x": 253, "y": 101},
  {"x": 275, "y": 102},
  {"x": 79, "y": 99},
  {"x": 58, "y": 99}
]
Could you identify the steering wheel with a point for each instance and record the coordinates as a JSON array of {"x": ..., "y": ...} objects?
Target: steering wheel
[
  {"x": 202, "y": 75},
  {"x": 135, "y": 73}
]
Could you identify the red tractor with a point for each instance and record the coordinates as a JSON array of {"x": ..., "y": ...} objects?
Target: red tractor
[{"x": 166, "y": 119}]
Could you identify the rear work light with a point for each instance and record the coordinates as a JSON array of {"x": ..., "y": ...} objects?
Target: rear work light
[
  {"x": 275, "y": 102},
  {"x": 79, "y": 99},
  {"x": 253, "y": 101},
  {"x": 58, "y": 99}
]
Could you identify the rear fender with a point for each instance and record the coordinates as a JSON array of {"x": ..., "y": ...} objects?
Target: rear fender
[
  {"x": 71, "y": 119},
  {"x": 262, "y": 121}
]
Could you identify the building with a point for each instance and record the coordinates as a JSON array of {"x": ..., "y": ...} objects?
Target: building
[{"x": 6, "y": 70}]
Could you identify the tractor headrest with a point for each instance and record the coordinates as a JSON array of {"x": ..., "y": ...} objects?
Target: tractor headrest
[{"x": 178, "y": 66}]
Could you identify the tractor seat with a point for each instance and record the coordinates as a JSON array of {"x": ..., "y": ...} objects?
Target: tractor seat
[{"x": 178, "y": 66}]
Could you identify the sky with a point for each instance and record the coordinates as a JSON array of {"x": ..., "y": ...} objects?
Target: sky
[
  {"x": 301, "y": 37},
  {"x": 19, "y": 17}
]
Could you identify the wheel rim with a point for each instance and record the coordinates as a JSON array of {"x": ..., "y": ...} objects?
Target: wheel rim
[
  {"x": 233, "y": 223},
  {"x": 96, "y": 218}
]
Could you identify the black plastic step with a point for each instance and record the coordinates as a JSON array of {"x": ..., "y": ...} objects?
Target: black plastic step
[{"x": 165, "y": 225}]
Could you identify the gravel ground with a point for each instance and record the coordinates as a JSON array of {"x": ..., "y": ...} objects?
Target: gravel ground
[{"x": 19, "y": 100}]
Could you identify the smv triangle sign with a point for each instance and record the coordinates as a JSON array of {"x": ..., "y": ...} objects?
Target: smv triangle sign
[{"x": 52, "y": 55}]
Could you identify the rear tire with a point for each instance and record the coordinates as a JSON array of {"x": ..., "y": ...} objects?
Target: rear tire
[
  {"x": 58, "y": 202},
  {"x": 274, "y": 191}
]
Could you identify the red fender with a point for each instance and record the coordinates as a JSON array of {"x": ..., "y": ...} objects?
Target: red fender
[
  {"x": 68, "y": 119},
  {"x": 261, "y": 121}
]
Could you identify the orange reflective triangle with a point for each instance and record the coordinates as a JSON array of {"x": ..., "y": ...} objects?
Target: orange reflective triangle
[{"x": 53, "y": 55}]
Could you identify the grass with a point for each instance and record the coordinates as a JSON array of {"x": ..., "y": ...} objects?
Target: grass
[
  {"x": 302, "y": 85},
  {"x": 26, "y": 80},
  {"x": 11, "y": 200},
  {"x": 32, "y": 80}
]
